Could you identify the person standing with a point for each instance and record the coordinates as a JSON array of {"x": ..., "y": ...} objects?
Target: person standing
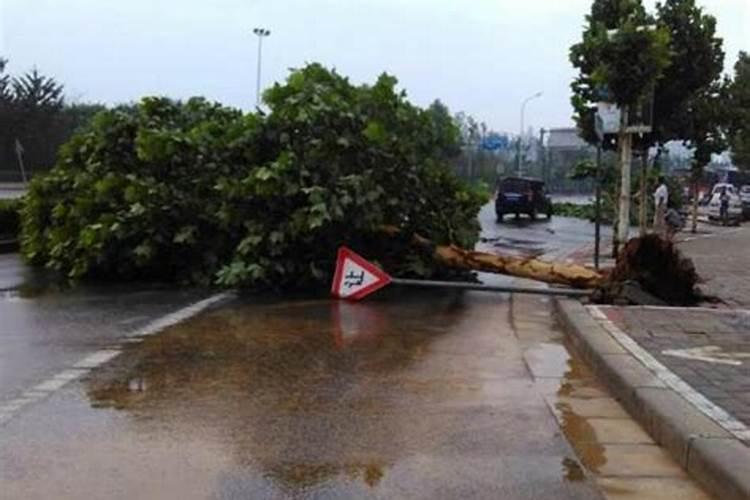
[
  {"x": 661, "y": 199},
  {"x": 724, "y": 206}
]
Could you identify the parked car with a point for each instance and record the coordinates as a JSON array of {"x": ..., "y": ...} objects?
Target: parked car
[
  {"x": 522, "y": 195},
  {"x": 745, "y": 199},
  {"x": 735, "y": 203}
]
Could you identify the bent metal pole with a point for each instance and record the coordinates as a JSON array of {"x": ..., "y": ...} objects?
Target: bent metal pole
[{"x": 565, "y": 292}]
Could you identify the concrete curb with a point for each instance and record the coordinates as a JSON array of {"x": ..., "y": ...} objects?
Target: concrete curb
[{"x": 714, "y": 457}]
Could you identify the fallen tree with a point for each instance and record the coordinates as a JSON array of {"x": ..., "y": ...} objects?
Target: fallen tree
[{"x": 194, "y": 192}]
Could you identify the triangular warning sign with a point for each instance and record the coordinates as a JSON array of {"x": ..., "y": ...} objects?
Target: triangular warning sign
[{"x": 356, "y": 278}]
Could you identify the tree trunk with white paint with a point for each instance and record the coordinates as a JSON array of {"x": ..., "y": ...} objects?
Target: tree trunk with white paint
[{"x": 625, "y": 143}]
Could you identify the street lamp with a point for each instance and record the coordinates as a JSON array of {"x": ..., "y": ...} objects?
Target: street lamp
[
  {"x": 260, "y": 33},
  {"x": 520, "y": 135}
]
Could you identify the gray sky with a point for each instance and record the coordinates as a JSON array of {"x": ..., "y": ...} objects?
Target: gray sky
[{"x": 482, "y": 56}]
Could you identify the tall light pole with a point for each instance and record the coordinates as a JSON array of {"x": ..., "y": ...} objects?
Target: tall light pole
[
  {"x": 520, "y": 135},
  {"x": 260, "y": 33}
]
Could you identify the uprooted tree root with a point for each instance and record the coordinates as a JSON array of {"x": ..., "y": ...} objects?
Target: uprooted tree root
[{"x": 658, "y": 268}]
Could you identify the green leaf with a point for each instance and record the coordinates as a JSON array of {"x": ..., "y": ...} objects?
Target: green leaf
[
  {"x": 186, "y": 234},
  {"x": 375, "y": 132}
]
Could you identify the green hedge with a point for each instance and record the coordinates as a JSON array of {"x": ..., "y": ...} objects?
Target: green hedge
[{"x": 9, "y": 218}]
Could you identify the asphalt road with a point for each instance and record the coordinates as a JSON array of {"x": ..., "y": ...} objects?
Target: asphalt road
[{"x": 431, "y": 395}]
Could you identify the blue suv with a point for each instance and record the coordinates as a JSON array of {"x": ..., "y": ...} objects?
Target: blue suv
[{"x": 522, "y": 195}]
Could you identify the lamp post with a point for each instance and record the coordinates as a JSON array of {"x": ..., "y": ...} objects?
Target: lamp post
[
  {"x": 260, "y": 33},
  {"x": 520, "y": 135}
]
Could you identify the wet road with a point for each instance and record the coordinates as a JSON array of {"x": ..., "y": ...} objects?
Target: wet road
[
  {"x": 403, "y": 397},
  {"x": 549, "y": 239},
  {"x": 426, "y": 396}
]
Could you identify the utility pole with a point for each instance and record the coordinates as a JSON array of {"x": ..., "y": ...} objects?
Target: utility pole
[
  {"x": 520, "y": 134},
  {"x": 260, "y": 33},
  {"x": 543, "y": 154}
]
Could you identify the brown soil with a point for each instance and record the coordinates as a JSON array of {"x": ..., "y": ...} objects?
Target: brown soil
[{"x": 658, "y": 267}]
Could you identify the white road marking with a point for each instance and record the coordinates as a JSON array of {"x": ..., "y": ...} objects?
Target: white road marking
[
  {"x": 707, "y": 407},
  {"x": 53, "y": 384},
  {"x": 96, "y": 359},
  {"x": 709, "y": 354},
  {"x": 694, "y": 309},
  {"x": 710, "y": 235}
]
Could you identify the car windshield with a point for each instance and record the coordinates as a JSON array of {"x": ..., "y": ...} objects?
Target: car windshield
[{"x": 515, "y": 185}]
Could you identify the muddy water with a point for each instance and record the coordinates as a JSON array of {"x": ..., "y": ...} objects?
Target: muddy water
[{"x": 403, "y": 397}]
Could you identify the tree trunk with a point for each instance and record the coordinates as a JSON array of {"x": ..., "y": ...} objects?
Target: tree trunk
[
  {"x": 572, "y": 275},
  {"x": 625, "y": 143}
]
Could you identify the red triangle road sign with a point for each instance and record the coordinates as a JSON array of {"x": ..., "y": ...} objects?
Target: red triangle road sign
[{"x": 356, "y": 278}]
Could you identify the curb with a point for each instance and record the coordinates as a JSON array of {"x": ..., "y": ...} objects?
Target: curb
[{"x": 711, "y": 455}]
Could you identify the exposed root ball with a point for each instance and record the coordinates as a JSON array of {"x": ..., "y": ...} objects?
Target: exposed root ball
[{"x": 658, "y": 267}]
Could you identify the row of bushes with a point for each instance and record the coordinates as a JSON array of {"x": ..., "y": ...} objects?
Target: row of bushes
[
  {"x": 574, "y": 210},
  {"x": 10, "y": 224}
]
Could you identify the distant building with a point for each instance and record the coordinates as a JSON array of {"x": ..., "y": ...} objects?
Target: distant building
[
  {"x": 565, "y": 140},
  {"x": 564, "y": 150}
]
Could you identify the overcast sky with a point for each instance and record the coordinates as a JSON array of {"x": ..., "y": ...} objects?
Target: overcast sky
[{"x": 482, "y": 57}]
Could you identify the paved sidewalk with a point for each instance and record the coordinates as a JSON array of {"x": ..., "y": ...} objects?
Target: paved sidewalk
[
  {"x": 723, "y": 261},
  {"x": 685, "y": 372},
  {"x": 709, "y": 350}
]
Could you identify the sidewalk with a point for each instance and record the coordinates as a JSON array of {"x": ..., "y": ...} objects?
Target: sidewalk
[{"x": 685, "y": 372}]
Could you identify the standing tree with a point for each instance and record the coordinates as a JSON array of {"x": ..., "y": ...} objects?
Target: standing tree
[
  {"x": 705, "y": 135},
  {"x": 33, "y": 111},
  {"x": 689, "y": 96},
  {"x": 739, "y": 99},
  {"x": 622, "y": 55},
  {"x": 445, "y": 130},
  {"x": 5, "y": 88}
]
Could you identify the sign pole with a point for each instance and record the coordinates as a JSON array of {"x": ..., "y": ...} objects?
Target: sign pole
[
  {"x": 598, "y": 205},
  {"x": 19, "y": 154},
  {"x": 355, "y": 278},
  {"x": 460, "y": 285}
]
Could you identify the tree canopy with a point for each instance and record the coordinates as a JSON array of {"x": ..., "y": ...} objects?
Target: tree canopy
[
  {"x": 739, "y": 112},
  {"x": 676, "y": 54},
  {"x": 697, "y": 61},
  {"x": 197, "y": 192},
  {"x": 34, "y": 112}
]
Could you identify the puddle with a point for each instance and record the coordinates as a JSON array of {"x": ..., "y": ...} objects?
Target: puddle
[
  {"x": 576, "y": 384},
  {"x": 310, "y": 388},
  {"x": 573, "y": 470}
]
